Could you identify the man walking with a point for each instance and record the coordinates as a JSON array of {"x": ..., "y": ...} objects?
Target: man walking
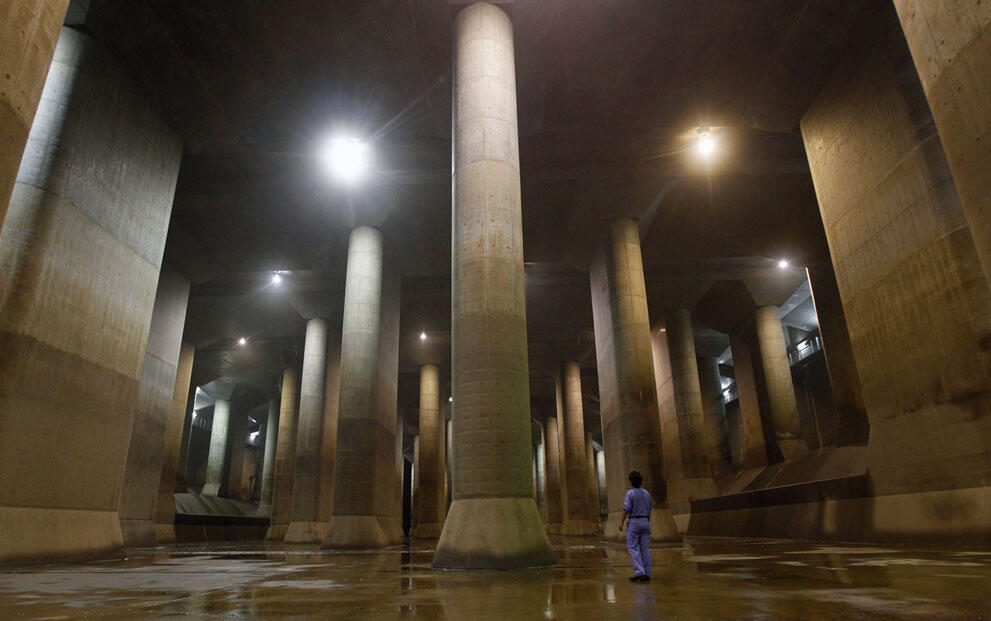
[{"x": 636, "y": 512}]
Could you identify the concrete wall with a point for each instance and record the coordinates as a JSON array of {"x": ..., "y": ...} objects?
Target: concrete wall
[
  {"x": 165, "y": 506},
  {"x": 916, "y": 300},
  {"x": 145, "y": 456},
  {"x": 80, "y": 255}
]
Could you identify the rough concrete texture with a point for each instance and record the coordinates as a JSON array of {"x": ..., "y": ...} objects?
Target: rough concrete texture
[
  {"x": 237, "y": 435},
  {"x": 491, "y": 416},
  {"x": 579, "y": 518},
  {"x": 365, "y": 508},
  {"x": 951, "y": 45},
  {"x": 552, "y": 475},
  {"x": 775, "y": 389},
  {"x": 306, "y": 526},
  {"x": 742, "y": 341},
  {"x": 852, "y": 426},
  {"x": 631, "y": 433},
  {"x": 916, "y": 299},
  {"x": 218, "y": 447},
  {"x": 714, "y": 411},
  {"x": 387, "y": 403},
  {"x": 285, "y": 457},
  {"x": 268, "y": 463},
  {"x": 165, "y": 505},
  {"x": 668, "y": 418},
  {"x": 145, "y": 455},
  {"x": 29, "y": 30},
  {"x": 331, "y": 403},
  {"x": 80, "y": 225},
  {"x": 431, "y": 501}
]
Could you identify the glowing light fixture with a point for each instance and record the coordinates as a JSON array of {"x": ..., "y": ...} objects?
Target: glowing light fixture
[
  {"x": 423, "y": 336},
  {"x": 782, "y": 264},
  {"x": 348, "y": 159},
  {"x": 276, "y": 278},
  {"x": 242, "y": 341},
  {"x": 706, "y": 142},
  {"x": 450, "y": 399}
]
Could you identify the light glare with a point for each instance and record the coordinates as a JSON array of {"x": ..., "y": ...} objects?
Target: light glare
[
  {"x": 706, "y": 145},
  {"x": 348, "y": 159},
  {"x": 782, "y": 264},
  {"x": 242, "y": 341},
  {"x": 423, "y": 336},
  {"x": 276, "y": 278}
]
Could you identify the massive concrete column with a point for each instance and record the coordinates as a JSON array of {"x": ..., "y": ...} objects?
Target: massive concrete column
[
  {"x": 29, "y": 30},
  {"x": 237, "y": 437},
  {"x": 365, "y": 476},
  {"x": 553, "y": 479},
  {"x": 268, "y": 464},
  {"x": 741, "y": 342},
  {"x": 578, "y": 520},
  {"x": 916, "y": 299},
  {"x": 331, "y": 403},
  {"x": 143, "y": 473},
  {"x": 714, "y": 412},
  {"x": 80, "y": 255},
  {"x": 776, "y": 386},
  {"x": 431, "y": 501},
  {"x": 306, "y": 526},
  {"x": 631, "y": 433},
  {"x": 951, "y": 45},
  {"x": 696, "y": 473},
  {"x": 165, "y": 506},
  {"x": 285, "y": 458},
  {"x": 493, "y": 521},
  {"x": 218, "y": 447}
]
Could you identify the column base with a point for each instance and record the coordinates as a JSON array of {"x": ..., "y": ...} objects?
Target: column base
[
  {"x": 430, "y": 530},
  {"x": 576, "y": 528},
  {"x": 362, "y": 532},
  {"x": 276, "y": 532},
  {"x": 165, "y": 533},
  {"x": 306, "y": 532},
  {"x": 554, "y": 529},
  {"x": 493, "y": 533},
  {"x": 662, "y": 527},
  {"x": 792, "y": 447},
  {"x": 210, "y": 489},
  {"x": 138, "y": 533},
  {"x": 33, "y": 535}
]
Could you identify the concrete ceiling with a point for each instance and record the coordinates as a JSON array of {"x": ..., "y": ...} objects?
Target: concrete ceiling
[{"x": 610, "y": 92}]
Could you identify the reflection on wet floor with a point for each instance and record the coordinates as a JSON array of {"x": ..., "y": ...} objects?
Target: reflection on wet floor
[{"x": 704, "y": 578}]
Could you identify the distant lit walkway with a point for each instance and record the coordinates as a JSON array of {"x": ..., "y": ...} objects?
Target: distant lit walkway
[{"x": 705, "y": 578}]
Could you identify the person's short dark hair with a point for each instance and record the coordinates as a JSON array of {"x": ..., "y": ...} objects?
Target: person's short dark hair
[{"x": 636, "y": 479}]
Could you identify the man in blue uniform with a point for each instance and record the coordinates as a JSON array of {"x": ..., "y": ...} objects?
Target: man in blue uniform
[{"x": 636, "y": 512}]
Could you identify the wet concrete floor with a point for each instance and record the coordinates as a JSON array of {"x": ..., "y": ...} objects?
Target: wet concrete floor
[{"x": 704, "y": 578}]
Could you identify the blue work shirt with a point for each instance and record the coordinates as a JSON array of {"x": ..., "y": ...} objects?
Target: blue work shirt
[{"x": 638, "y": 502}]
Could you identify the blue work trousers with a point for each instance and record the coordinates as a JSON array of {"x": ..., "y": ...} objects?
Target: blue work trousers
[{"x": 638, "y": 543}]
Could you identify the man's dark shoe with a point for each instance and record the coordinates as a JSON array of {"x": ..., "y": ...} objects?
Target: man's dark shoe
[
  {"x": 636, "y": 578},
  {"x": 643, "y": 578}
]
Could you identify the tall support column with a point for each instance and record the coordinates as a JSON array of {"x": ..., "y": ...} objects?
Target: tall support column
[
  {"x": 631, "y": 433},
  {"x": 554, "y": 481},
  {"x": 776, "y": 386},
  {"x": 268, "y": 464},
  {"x": 80, "y": 255},
  {"x": 305, "y": 526},
  {"x": 493, "y": 521},
  {"x": 218, "y": 447},
  {"x": 29, "y": 30},
  {"x": 951, "y": 46},
  {"x": 697, "y": 475},
  {"x": 331, "y": 406},
  {"x": 578, "y": 520},
  {"x": 593, "y": 484},
  {"x": 365, "y": 474},
  {"x": 165, "y": 506},
  {"x": 139, "y": 491},
  {"x": 741, "y": 342},
  {"x": 285, "y": 458},
  {"x": 540, "y": 467},
  {"x": 714, "y": 412},
  {"x": 431, "y": 503}
]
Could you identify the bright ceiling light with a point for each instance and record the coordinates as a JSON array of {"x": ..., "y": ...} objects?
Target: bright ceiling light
[
  {"x": 276, "y": 278},
  {"x": 348, "y": 159},
  {"x": 450, "y": 399},
  {"x": 706, "y": 142},
  {"x": 242, "y": 341},
  {"x": 423, "y": 336},
  {"x": 782, "y": 264}
]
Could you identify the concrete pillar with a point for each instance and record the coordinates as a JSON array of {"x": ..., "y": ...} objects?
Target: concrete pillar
[
  {"x": 218, "y": 447},
  {"x": 139, "y": 491},
  {"x": 285, "y": 458},
  {"x": 554, "y": 481},
  {"x": 331, "y": 403},
  {"x": 578, "y": 520},
  {"x": 776, "y": 385},
  {"x": 714, "y": 413},
  {"x": 631, "y": 433},
  {"x": 493, "y": 521},
  {"x": 696, "y": 473},
  {"x": 541, "y": 471},
  {"x": 366, "y": 466},
  {"x": 593, "y": 483},
  {"x": 165, "y": 506},
  {"x": 562, "y": 454},
  {"x": 306, "y": 526},
  {"x": 80, "y": 256},
  {"x": 741, "y": 342},
  {"x": 29, "y": 30},
  {"x": 915, "y": 295},
  {"x": 851, "y": 416},
  {"x": 268, "y": 465},
  {"x": 237, "y": 437},
  {"x": 431, "y": 503},
  {"x": 951, "y": 46}
]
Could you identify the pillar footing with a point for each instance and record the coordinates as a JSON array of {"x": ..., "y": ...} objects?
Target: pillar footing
[
  {"x": 662, "y": 527},
  {"x": 579, "y": 528},
  {"x": 493, "y": 533},
  {"x": 306, "y": 532},
  {"x": 362, "y": 532},
  {"x": 165, "y": 533},
  {"x": 210, "y": 489},
  {"x": 138, "y": 533},
  {"x": 276, "y": 532},
  {"x": 430, "y": 530},
  {"x": 791, "y": 447}
]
